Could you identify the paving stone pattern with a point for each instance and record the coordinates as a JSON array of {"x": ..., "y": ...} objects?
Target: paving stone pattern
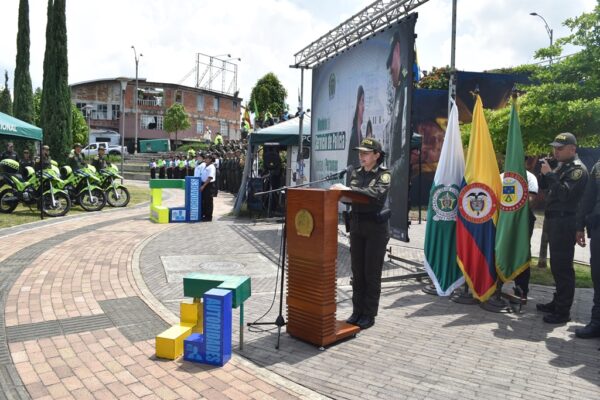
[{"x": 421, "y": 347}]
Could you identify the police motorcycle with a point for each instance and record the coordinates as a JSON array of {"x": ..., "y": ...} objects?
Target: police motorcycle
[
  {"x": 83, "y": 187},
  {"x": 54, "y": 201},
  {"x": 117, "y": 195}
]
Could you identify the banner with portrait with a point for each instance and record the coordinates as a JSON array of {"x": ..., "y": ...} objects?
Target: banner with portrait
[{"x": 366, "y": 91}]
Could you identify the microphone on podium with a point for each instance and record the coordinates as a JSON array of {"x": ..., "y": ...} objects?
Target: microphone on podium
[{"x": 340, "y": 174}]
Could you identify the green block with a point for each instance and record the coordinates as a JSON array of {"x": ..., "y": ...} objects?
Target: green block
[
  {"x": 196, "y": 284},
  {"x": 167, "y": 184}
]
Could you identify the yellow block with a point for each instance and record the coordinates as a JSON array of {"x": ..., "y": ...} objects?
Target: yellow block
[
  {"x": 188, "y": 313},
  {"x": 199, "y": 327},
  {"x": 156, "y": 197},
  {"x": 169, "y": 344},
  {"x": 159, "y": 214}
]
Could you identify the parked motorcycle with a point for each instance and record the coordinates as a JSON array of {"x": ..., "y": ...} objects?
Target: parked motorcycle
[
  {"x": 53, "y": 201},
  {"x": 117, "y": 195},
  {"x": 83, "y": 187}
]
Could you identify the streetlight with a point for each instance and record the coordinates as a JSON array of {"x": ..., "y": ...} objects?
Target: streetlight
[
  {"x": 548, "y": 30},
  {"x": 123, "y": 82},
  {"x": 137, "y": 61},
  {"x": 88, "y": 113}
]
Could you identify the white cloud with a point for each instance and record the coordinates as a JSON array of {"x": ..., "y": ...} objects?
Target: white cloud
[{"x": 265, "y": 34}]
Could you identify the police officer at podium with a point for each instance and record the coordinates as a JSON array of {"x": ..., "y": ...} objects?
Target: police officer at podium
[{"x": 369, "y": 231}]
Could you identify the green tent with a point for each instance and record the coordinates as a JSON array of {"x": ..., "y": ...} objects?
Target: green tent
[{"x": 12, "y": 128}]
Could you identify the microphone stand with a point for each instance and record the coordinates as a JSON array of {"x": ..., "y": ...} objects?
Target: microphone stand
[{"x": 280, "y": 321}]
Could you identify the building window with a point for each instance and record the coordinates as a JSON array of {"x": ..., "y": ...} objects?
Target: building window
[
  {"x": 151, "y": 122},
  {"x": 199, "y": 127},
  {"x": 101, "y": 111},
  {"x": 179, "y": 96},
  {"x": 200, "y": 102},
  {"x": 234, "y": 105},
  {"x": 216, "y": 104},
  {"x": 116, "y": 111},
  {"x": 224, "y": 128}
]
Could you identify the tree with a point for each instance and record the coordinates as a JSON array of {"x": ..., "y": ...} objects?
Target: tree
[
  {"x": 56, "y": 95},
  {"x": 37, "y": 106},
  {"x": 5, "y": 100},
  {"x": 268, "y": 95},
  {"x": 565, "y": 96},
  {"x": 23, "y": 104},
  {"x": 79, "y": 128},
  {"x": 176, "y": 120},
  {"x": 438, "y": 78}
]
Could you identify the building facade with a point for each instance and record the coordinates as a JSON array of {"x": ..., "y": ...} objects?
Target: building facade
[{"x": 100, "y": 102}]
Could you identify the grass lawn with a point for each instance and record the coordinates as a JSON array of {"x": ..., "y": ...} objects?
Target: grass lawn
[
  {"x": 543, "y": 276},
  {"x": 23, "y": 215}
]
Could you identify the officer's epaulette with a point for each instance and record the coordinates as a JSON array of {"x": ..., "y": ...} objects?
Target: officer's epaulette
[
  {"x": 381, "y": 167},
  {"x": 577, "y": 162}
]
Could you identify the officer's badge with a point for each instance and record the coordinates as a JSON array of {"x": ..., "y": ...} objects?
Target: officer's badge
[
  {"x": 576, "y": 174},
  {"x": 385, "y": 177}
]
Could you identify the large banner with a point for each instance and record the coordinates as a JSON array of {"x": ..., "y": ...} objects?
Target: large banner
[{"x": 367, "y": 91}]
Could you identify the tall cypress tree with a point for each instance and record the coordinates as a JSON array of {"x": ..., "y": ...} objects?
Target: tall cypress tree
[
  {"x": 56, "y": 95},
  {"x": 5, "y": 100},
  {"x": 23, "y": 91}
]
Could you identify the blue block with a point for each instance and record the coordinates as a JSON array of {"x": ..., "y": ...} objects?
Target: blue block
[
  {"x": 194, "y": 348},
  {"x": 177, "y": 215},
  {"x": 217, "y": 326},
  {"x": 193, "y": 198}
]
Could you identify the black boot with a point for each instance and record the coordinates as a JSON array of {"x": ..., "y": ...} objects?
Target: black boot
[
  {"x": 353, "y": 318},
  {"x": 591, "y": 330},
  {"x": 556, "y": 318},
  {"x": 548, "y": 307},
  {"x": 365, "y": 322}
]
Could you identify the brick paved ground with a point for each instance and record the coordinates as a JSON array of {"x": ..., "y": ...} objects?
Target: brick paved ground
[
  {"x": 73, "y": 323},
  {"x": 421, "y": 346}
]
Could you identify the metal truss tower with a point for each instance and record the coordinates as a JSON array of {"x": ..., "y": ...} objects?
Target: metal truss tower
[{"x": 372, "y": 19}]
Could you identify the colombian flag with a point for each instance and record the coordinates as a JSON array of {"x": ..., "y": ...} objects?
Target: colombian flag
[{"x": 478, "y": 210}]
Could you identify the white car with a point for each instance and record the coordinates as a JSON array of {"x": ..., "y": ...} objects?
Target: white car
[{"x": 111, "y": 149}]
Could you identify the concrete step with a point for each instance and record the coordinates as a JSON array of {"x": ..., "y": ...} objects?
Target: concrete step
[{"x": 136, "y": 176}]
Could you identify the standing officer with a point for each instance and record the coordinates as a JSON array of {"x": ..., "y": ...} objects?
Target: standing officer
[
  {"x": 44, "y": 160},
  {"x": 369, "y": 232},
  {"x": 76, "y": 160},
  {"x": 589, "y": 215},
  {"x": 10, "y": 152},
  {"x": 25, "y": 162},
  {"x": 565, "y": 186}
]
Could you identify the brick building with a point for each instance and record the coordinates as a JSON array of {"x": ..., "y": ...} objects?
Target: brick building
[{"x": 100, "y": 102}]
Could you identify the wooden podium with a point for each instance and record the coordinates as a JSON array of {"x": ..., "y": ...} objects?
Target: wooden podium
[{"x": 312, "y": 241}]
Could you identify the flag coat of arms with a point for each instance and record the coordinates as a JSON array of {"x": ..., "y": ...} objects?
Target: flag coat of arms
[
  {"x": 512, "y": 233},
  {"x": 478, "y": 210},
  {"x": 440, "y": 231}
]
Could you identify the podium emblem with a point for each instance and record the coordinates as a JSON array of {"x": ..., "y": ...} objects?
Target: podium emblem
[{"x": 304, "y": 223}]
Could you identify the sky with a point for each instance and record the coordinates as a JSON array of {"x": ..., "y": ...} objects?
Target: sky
[{"x": 265, "y": 35}]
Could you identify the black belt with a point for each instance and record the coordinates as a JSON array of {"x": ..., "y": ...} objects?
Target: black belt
[{"x": 559, "y": 214}]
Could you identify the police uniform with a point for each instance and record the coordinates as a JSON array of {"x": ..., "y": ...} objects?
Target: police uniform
[
  {"x": 44, "y": 161},
  {"x": 369, "y": 235},
  {"x": 565, "y": 186},
  {"x": 76, "y": 161},
  {"x": 588, "y": 216},
  {"x": 161, "y": 168},
  {"x": 99, "y": 162}
]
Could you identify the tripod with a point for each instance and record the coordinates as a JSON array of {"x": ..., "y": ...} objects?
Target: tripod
[{"x": 280, "y": 320}]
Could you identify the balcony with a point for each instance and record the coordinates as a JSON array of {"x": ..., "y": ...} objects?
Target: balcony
[{"x": 150, "y": 102}]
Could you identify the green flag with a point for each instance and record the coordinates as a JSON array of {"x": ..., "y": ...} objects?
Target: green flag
[
  {"x": 440, "y": 231},
  {"x": 512, "y": 232}
]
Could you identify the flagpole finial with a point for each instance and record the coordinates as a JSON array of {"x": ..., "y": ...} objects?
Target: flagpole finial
[{"x": 475, "y": 92}]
